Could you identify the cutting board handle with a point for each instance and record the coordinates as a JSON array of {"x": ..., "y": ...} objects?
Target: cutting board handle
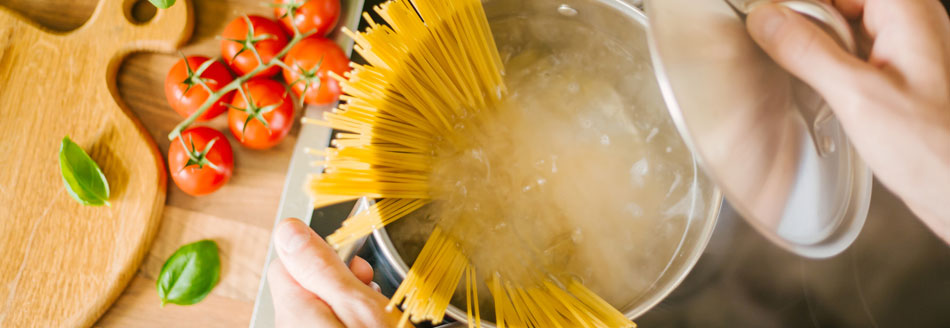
[{"x": 167, "y": 31}]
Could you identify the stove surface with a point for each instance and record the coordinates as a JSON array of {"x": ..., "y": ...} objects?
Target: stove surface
[{"x": 896, "y": 274}]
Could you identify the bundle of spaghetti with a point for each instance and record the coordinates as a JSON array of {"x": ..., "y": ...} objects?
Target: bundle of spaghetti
[
  {"x": 434, "y": 63},
  {"x": 546, "y": 304},
  {"x": 433, "y": 278}
]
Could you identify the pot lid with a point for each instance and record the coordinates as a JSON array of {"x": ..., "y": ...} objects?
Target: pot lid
[{"x": 768, "y": 140}]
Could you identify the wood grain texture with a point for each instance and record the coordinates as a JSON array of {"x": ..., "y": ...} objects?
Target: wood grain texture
[
  {"x": 239, "y": 216},
  {"x": 138, "y": 308},
  {"x": 63, "y": 83}
]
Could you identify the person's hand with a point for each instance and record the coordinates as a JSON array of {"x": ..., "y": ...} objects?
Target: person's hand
[
  {"x": 311, "y": 286},
  {"x": 895, "y": 105}
]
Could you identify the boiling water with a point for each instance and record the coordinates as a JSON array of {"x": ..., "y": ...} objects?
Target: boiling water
[{"x": 579, "y": 172}]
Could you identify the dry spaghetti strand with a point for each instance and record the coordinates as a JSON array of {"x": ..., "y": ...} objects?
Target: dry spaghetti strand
[{"x": 430, "y": 283}]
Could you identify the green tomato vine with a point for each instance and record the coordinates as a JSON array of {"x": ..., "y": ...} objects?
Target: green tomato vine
[{"x": 215, "y": 96}]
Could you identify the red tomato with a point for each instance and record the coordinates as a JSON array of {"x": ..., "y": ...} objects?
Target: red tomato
[
  {"x": 310, "y": 82},
  {"x": 318, "y": 16},
  {"x": 268, "y": 38},
  {"x": 185, "y": 94},
  {"x": 196, "y": 168},
  {"x": 270, "y": 102}
]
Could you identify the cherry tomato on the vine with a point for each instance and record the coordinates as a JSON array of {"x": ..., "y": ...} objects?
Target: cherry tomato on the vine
[
  {"x": 262, "y": 101},
  {"x": 200, "y": 160},
  {"x": 267, "y": 37},
  {"x": 318, "y": 16},
  {"x": 186, "y": 94},
  {"x": 311, "y": 60}
]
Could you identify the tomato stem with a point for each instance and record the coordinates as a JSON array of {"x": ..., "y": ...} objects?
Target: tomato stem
[
  {"x": 234, "y": 85},
  {"x": 308, "y": 78},
  {"x": 253, "y": 111},
  {"x": 198, "y": 157},
  {"x": 250, "y": 40},
  {"x": 194, "y": 76}
]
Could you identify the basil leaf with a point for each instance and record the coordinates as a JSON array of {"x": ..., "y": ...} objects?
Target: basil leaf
[
  {"x": 162, "y": 4},
  {"x": 82, "y": 176},
  {"x": 189, "y": 274}
]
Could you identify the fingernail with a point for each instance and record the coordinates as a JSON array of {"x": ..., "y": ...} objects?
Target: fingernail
[
  {"x": 765, "y": 20},
  {"x": 292, "y": 236},
  {"x": 375, "y": 286}
]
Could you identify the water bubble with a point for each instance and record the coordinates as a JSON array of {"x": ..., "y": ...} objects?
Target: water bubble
[
  {"x": 478, "y": 155},
  {"x": 586, "y": 123},
  {"x": 639, "y": 171},
  {"x": 577, "y": 236},
  {"x": 653, "y": 133},
  {"x": 634, "y": 209}
]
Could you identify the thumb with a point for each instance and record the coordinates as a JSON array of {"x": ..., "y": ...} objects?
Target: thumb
[
  {"x": 802, "y": 48},
  {"x": 317, "y": 268},
  {"x": 313, "y": 263}
]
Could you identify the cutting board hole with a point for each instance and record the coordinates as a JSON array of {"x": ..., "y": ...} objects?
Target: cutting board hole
[{"x": 143, "y": 11}]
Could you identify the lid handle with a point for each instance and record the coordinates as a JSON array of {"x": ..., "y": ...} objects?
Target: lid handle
[{"x": 815, "y": 111}]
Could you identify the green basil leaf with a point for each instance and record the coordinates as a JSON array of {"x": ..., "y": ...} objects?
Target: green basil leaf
[
  {"x": 189, "y": 274},
  {"x": 82, "y": 176},
  {"x": 162, "y": 4}
]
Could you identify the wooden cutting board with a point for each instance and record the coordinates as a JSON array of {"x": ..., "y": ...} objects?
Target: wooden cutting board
[{"x": 61, "y": 263}]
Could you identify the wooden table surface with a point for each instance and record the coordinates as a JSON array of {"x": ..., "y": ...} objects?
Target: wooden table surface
[{"x": 239, "y": 217}]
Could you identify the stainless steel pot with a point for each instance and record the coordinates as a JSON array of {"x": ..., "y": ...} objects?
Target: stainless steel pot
[{"x": 626, "y": 24}]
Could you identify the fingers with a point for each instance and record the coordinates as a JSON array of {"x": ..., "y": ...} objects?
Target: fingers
[
  {"x": 850, "y": 9},
  {"x": 362, "y": 270},
  {"x": 295, "y": 306},
  {"x": 803, "y": 48},
  {"x": 313, "y": 263},
  {"x": 908, "y": 37},
  {"x": 318, "y": 269}
]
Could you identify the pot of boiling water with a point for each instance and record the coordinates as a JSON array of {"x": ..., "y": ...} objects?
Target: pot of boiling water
[{"x": 586, "y": 112}]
